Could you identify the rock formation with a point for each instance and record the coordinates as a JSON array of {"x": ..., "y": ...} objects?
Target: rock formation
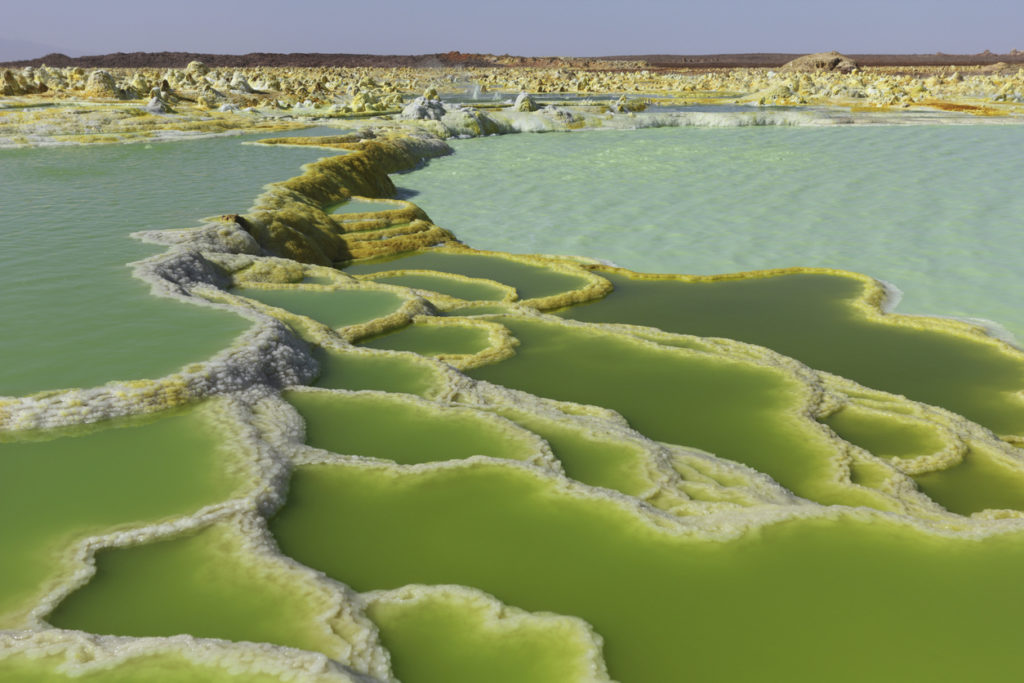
[
  {"x": 101, "y": 84},
  {"x": 524, "y": 102},
  {"x": 423, "y": 108},
  {"x": 821, "y": 61}
]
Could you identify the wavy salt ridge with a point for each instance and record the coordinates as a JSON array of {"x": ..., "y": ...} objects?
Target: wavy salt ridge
[
  {"x": 541, "y": 457},
  {"x": 268, "y": 356},
  {"x": 285, "y": 431},
  {"x": 441, "y": 300},
  {"x": 827, "y": 393},
  {"x": 592, "y": 287},
  {"x": 814, "y": 400},
  {"x": 312, "y": 329},
  {"x": 664, "y": 461},
  {"x": 830, "y": 393},
  {"x": 504, "y": 620},
  {"x": 716, "y": 522},
  {"x": 500, "y": 342},
  {"x": 83, "y": 654},
  {"x": 722, "y": 527},
  {"x": 875, "y": 302},
  {"x": 899, "y": 489},
  {"x": 352, "y": 640},
  {"x": 872, "y": 296},
  {"x": 265, "y": 357},
  {"x": 265, "y": 477}
]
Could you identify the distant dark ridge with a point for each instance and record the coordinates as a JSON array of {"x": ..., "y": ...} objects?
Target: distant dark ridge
[
  {"x": 768, "y": 60},
  {"x": 178, "y": 60},
  {"x": 773, "y": 60}
]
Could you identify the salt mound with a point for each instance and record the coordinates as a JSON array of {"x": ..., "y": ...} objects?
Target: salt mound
[
  {"x": 239, "y": 83},
  {"x": 157, "y": 103},
  {"x": 197, "y": 70},
  {"x": 9, "y": 84},
  {"x": 821, "y": 61},
  {"x": 423, "y": 108},
  {"x": 101, "y": 84},
  {"x": 525, "y": 103}
]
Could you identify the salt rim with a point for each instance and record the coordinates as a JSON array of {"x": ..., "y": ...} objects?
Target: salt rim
[{"x": 504, "y": 619}]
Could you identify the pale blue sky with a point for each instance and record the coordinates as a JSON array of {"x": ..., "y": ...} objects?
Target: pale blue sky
[{"x": 523, "y": 27}]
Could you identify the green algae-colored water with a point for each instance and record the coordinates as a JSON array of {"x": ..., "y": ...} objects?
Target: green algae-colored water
[
  {"x": 334, "y": 308},
  {"x": 530, "y": 281},
  {"x": 590, "y": 459},
  {"x": 846, "y": 596},
  {"x": 378, "y": 371},
  {"x": 975, "y": 484},
  {"x": 434, "y": 640},
  {"x": 733, "y": 410},
  {"x": 431, "y": 340},
  {"x": 204, "y": 584},
  {"x": 885, "y": 435},
  {"x": 475, "y": 310},
  {"x": 68, "y": 220},
  {"x": 56, "y": 491},
  {"x": 809, "y": 317},
  {"x": 784, "y": 603},
  {"x": 933, "y": 209},
  {"x": 473, "y": 290},
  {"x": 393, "y": 428},
  {"x": 153, "y": 669}
]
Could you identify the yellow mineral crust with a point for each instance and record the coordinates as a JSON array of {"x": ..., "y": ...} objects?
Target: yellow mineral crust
[
  {"x": 289, "y": 219},
  {"x": 824, "y": 395},
  {"x": 204, "y": 100},
  {"x": 319, "y": 333},
  {"x": 500, "y": 342},
  {"x": 592, "y": 286},
  {"x": 74, "y": 654},
  {"x": 442, "y": 301}
]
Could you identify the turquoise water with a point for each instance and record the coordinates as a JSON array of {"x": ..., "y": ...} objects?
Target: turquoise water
[
  {"x": 935, "y": 210},
  {"x": 73, "y": 315}
]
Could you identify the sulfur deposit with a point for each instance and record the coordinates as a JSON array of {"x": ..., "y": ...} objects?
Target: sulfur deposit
[{"x": 210, "y": 100}]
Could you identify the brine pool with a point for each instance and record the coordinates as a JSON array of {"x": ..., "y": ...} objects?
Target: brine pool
[
  {"x": 933, "y": 209},
  {"x": 73, "y": 315},
  {"x": 718, "y": 480}
]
